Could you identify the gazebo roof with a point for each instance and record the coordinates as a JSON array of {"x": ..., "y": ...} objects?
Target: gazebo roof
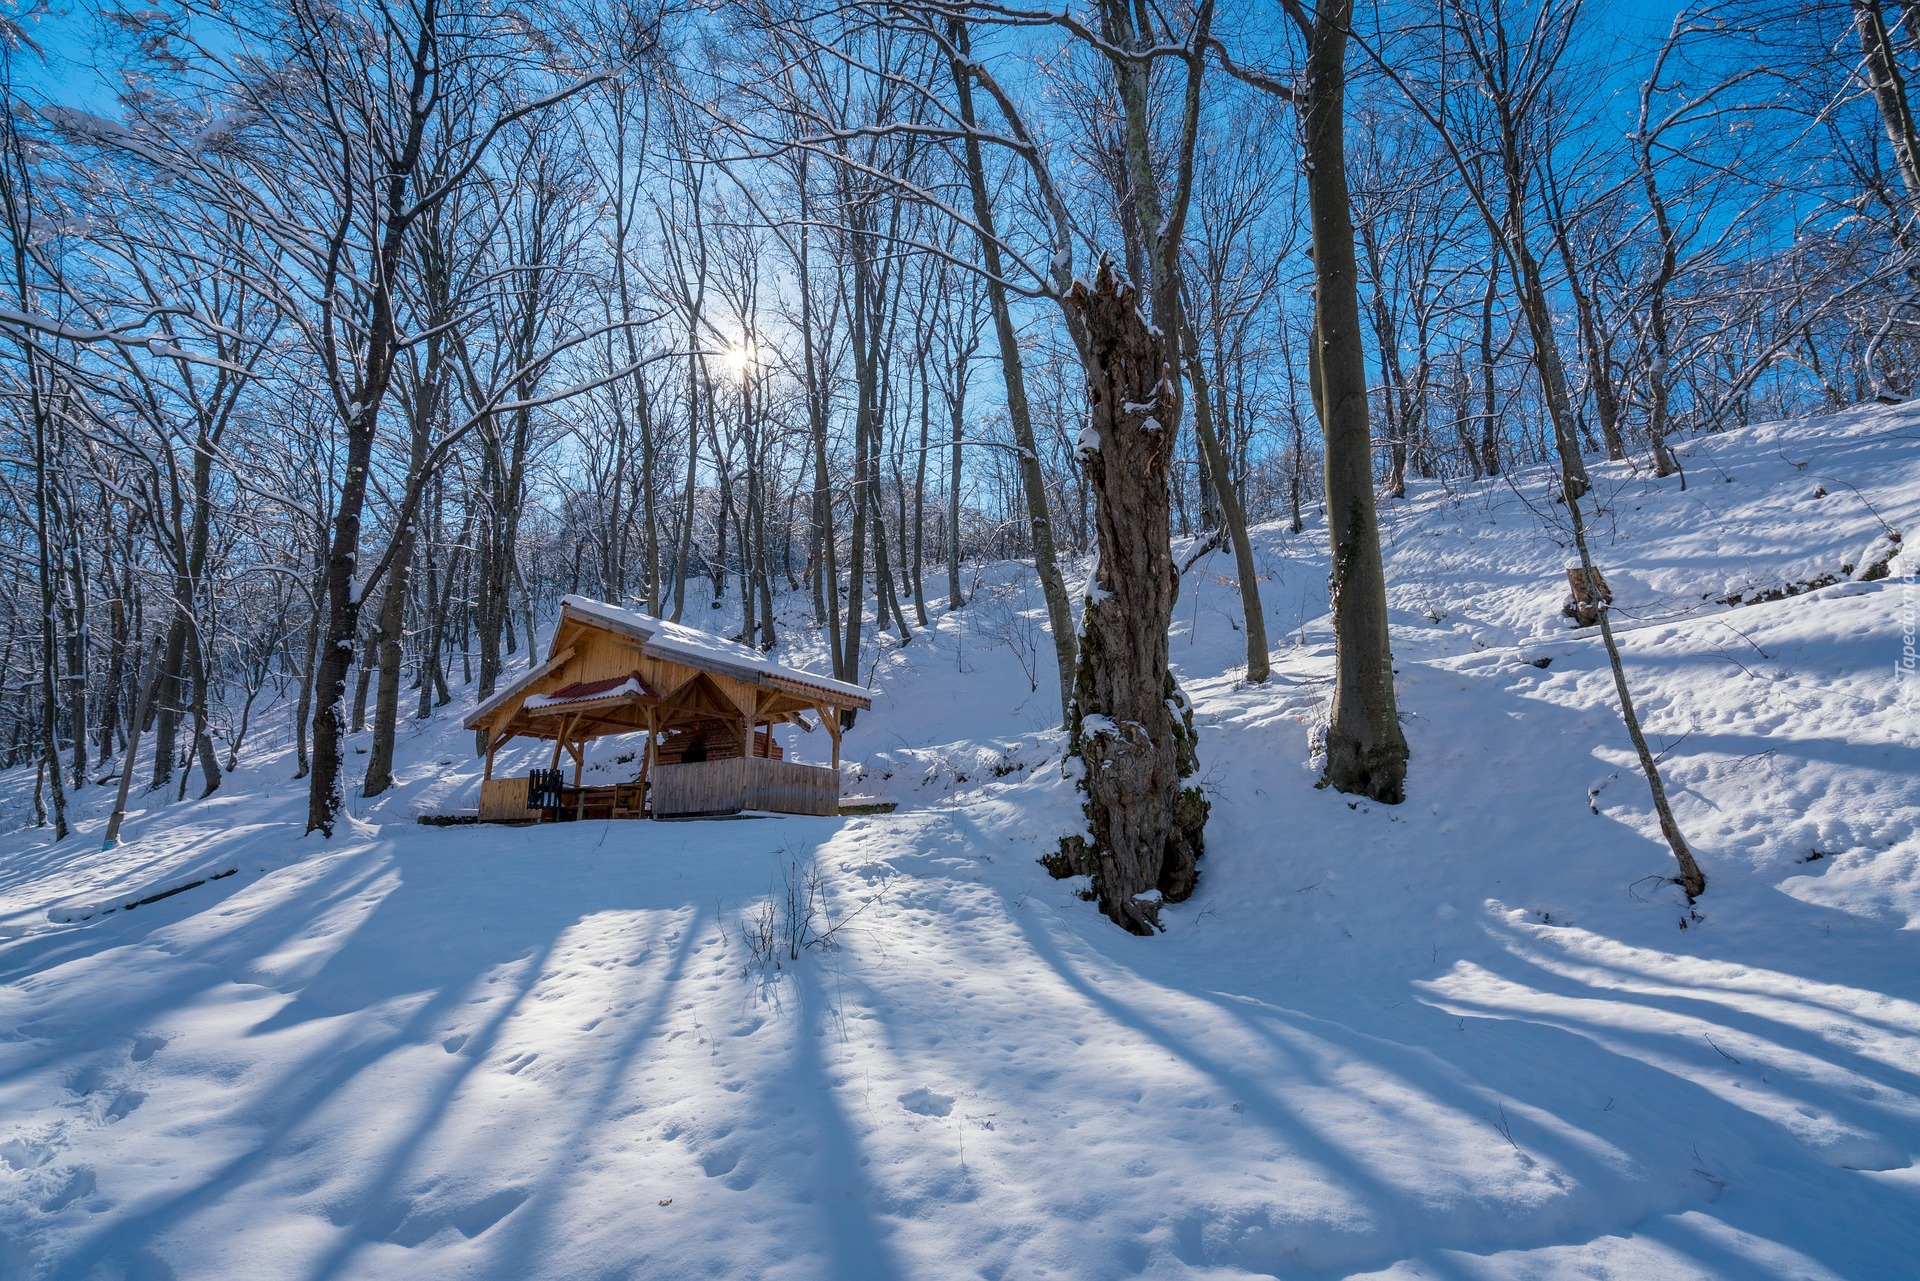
[
  {"x": 610, "y": 702},
  {"x": 706, "y": 652}
]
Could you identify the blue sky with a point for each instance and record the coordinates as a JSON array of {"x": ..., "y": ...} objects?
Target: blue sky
[{"x": 75, "y": 71}]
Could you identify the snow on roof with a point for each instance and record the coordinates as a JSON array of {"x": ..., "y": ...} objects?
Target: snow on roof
[
  {"x": 589, "y": 691},
  {"x": 704, "y": 649}
]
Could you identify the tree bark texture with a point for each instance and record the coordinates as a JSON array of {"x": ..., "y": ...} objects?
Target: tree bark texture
[
  {"x": 1889, "y": 91},
  {"x": 1130, "y": 726},
  {"x": 1366, "y": 752}
]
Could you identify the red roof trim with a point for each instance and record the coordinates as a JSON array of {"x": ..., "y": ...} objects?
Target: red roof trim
[{"x": 581, "y": 691}]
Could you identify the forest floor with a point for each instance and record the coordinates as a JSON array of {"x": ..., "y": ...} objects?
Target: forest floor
[{"x": 1476, "y": 1035}]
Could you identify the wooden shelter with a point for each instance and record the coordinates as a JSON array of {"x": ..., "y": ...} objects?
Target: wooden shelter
[{"x": 705, "y": 707}]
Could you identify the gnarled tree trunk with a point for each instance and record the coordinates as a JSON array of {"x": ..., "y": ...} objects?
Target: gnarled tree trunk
[{"x": 1129, "y": 724}]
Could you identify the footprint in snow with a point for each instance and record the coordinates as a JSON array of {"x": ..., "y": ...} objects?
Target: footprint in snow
[
  {"x": 416, "y": 1225},
  {"x": 124, "y": 1105},
  {"x": 146, "y": 1045},
  {"x": 25, "y": 1154},
  {"x": 925, "y": 1102},
  {"x": 76, "y": 1185}
]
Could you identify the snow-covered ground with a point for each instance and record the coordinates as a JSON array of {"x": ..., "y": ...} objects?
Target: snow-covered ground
[{"x": 1471, "y": 1036}]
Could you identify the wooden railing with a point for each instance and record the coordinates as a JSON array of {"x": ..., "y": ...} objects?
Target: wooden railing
[{"x": 749, "y": 783}]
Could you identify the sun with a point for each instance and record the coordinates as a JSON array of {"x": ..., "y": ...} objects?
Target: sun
[{"x": 739, "y": 358}]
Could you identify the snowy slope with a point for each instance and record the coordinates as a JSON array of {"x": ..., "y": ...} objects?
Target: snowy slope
[{"x": 1471, "y": 1036}]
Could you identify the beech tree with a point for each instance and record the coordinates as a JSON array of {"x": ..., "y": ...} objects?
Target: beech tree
[{"x": 1366, "y": 752}]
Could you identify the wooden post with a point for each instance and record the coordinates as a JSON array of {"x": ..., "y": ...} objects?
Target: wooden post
[
  {"x": 646, "y": 768},
  {"x": 560, "y": 738},
  {"x": 494, "y": 744},
  {"x": 579, "y": 753},
  {"x": 830, "y": 717}
]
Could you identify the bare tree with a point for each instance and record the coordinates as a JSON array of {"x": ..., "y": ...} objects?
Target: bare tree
[{"x": 1365, "y": 748}]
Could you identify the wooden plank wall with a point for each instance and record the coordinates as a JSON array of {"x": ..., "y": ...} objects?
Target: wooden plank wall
[
  {"x": 704, "y": 787},
  {"x": 718, "y": 787},
  {"x": 787, "y": 787},
  {"x": 504, "y": 800}
]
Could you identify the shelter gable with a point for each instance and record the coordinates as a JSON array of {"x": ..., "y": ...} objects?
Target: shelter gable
[{"x": 706, "y": 705}]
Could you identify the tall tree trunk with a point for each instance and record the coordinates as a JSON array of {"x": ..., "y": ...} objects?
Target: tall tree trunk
[
  {"x": 763, "y": 556},
  {"x": 324, "y": 797},
  {"x": 825, "y": 553},
  {"x": 920, "y": 493},
  {"x": 120, "y": 638},
  {"x": 866, "y": 392},
  {"x": 1297, "y": 474},
  {"x": 387, "y": 635},
  {"x": 722, "y": 509},
  {"x": 1489, "y": 390},
  {"x": 17, "y": 202},
  {"x": 1547, "y": 363},
  {"x": 201, "y": 668},
  {"x": 955, "y": 599},
  {"x": 309, "y": 672},
  {"x": 623, "y": 206},
  {"x": 1659, "y": 343},
  {"x": 1227, "y": 502},
  {"x": 490, "y": 603},
  {"x": 1530, "y": 283},
  {"x": 886, "y": 593},
  {"x": 363, "y": 679},
  {"x": 434, "y": 603},
  {"x": 73, "y": 612},
  {"x": 1386, "y": 332},
  {"x": 1053, "y": 587},
  {"x": 683, "y": 555},
  {"x": 49, "y": 629},
  {"x": 1366, "y": 751},
  {"x": 345, "y": 584},
  {"x": 171, "y": 699}
]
